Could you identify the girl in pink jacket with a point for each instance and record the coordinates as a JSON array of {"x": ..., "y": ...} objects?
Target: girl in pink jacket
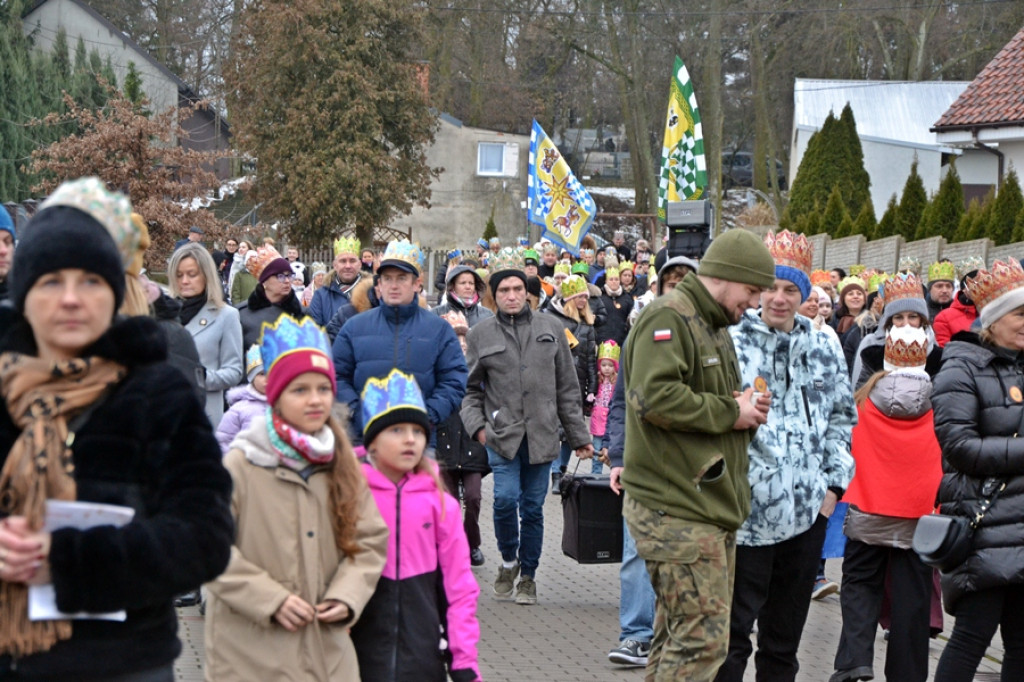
[{"x": 421, "y": 622}]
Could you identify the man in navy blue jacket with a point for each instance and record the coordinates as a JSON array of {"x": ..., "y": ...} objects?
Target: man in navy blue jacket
[{"x": 400, "y": 334}]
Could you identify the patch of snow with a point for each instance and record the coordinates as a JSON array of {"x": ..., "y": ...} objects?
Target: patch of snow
[{"x": 224, "y": 191}]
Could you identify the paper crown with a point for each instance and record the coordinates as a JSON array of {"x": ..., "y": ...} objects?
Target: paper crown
[
  {"x": 941, "y": 271},
  {"x": 482, "y": 243},
  {"x": 580, "y": 268},
  {"x": 258, "y": 263},
  {"x": 850, "y": 281},
  {"x": 112, "y": 210},
  {"x": 586, "y": 252},
  {"x": 550, "y": 247},
  {"x": 819, "y": 277},
  {"x": 609, "y": 350},
  {"x": 902, "y": 287},
  {"x": 563, "y": 268},
  {"x": 626, "y": 265},
  {"x": 346, "y": 245},
  {"x": 905, "y": 346},
  {"x": 457, "y": 320},
  {"x": 253, "y": 359},
  {"x": 876, "y": 280},
  {"x": 287, "y": 336},
  {"x": 969, "y": 265},
  {"x": 454, "y": 254},
  {"x": 988, "y": 285},
  {"x": 574, "y": 286},
  {"x": 910, "y": 264},
  {"x": 857, "y": 269},
  {"x": 530, "y": 254},
  {"x": 318, "y": 267},
  {"x": 506, "y": 259},
  {"x": 494, "y": 241},
  {"x": 790, "y": 249},
  {"x": 403, "y": 251},
  {"x": 396, "y": 391}
]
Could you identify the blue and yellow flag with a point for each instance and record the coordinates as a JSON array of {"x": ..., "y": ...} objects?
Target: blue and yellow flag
[
  {"x": 556, "y": 200},
  {"x": 684, "y": 173}
]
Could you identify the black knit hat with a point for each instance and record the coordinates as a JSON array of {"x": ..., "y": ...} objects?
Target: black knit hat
[{"x": 62, "y": 237}]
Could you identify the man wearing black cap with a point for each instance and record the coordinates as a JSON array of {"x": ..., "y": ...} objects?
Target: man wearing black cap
[
  {"x": 194, "y": 235},
  {"x": 513, "y": 407}
]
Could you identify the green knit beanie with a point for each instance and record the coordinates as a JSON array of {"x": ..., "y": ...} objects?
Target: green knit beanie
[{"x": 739, "y": 256}]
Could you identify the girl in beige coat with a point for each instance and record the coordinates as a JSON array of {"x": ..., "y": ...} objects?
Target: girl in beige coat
[{"x": 310, "y": 544}]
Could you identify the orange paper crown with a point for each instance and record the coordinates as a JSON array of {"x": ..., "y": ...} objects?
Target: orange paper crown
[
  {"x": 264, "y": 255},
  {"x": 790, "y": 249},
  {"x": 988, "y": 285},
  {"x": 819, "y": 277},
  {"x": 902, "y": 286}
]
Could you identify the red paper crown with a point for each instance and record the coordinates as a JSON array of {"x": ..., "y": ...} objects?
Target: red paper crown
[
  {"x": 900, "y": 287},
  {"x": 790, "y": 249},
  {"x": 264, "y": 255},
  {"x": 899, "y": 353},
  {"x": 990, "y": 284}
]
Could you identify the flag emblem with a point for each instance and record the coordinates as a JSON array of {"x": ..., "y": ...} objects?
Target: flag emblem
[
  {"x": 684, "y": 174},
  {"x": 662, "y": 334},
  {"x": 556, "y": 201}
]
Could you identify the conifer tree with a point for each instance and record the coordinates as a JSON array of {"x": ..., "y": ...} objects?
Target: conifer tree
[
  {"x": 887, "y": 225},
  {"x": 490, "y": 229},
  {"x": 912, "y": 204},
  {"x": 865, "y": 223},
  {"x": 1007, "y": 205},
  {"x": 979, "y": 228},
  {"x": 967, "y": 220},
  {"x": 845, "y": 228},
  {"x": 942, "y": 219},
  {"x": 1018, "y": 227},
  {"x": 835, "y": 212}
]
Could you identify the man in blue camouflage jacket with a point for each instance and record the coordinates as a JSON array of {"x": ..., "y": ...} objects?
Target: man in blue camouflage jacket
[{"x": 800, "y": 464}]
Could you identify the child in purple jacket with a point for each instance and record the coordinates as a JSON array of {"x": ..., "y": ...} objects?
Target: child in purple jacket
[{"x": 245, "y": 402}]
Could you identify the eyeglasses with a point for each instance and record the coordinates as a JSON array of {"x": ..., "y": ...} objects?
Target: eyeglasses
[{"x": 283, "y": 277}]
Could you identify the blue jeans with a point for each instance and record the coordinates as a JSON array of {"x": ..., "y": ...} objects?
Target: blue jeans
[
  {"x": 636, "y": 596},
  {"x": 520, "y": 489}
]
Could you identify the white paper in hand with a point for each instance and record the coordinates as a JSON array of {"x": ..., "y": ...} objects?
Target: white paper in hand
[{"x": 42, "y": 599}]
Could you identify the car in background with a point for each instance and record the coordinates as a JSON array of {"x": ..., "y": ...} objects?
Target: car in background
[{"x": 738, "y": 170}]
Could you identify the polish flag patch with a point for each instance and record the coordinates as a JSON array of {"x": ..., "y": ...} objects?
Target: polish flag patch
[{"x": 662, "y": 334}]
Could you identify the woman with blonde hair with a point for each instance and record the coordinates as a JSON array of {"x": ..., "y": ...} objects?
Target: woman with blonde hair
[{"x": 214, "y": 325}]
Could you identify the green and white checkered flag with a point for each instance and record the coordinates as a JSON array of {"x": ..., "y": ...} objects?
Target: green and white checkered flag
[{"x": 684, "y": 173}]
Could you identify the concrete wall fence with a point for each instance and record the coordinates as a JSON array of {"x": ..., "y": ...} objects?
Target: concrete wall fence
[{"x": 885, "y": 254}]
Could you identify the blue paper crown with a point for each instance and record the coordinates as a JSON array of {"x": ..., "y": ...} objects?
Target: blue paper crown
[
  {"x": 253, "y": 358},
  {"x": 396, "y": 391},
  {"x": 453, "y": 254},
  {"x": 287, "y": 335},
  {"x": 405, "y": 251}
]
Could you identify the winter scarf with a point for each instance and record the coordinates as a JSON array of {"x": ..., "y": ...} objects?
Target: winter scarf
[
  {"x": 613, "y": 294},
  {"x": 191, "y": 306},
  {"x": 40, "y": 396},
  {"x": 297, "y": 450}
]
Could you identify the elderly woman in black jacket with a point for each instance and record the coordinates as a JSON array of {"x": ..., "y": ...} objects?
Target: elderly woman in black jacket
[
  {"x": 979, "y": 420},
  {"x": 94, "y": 413}
]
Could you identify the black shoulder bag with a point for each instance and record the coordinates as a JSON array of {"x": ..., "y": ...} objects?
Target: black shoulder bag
[{"x": 943, "y": 541}]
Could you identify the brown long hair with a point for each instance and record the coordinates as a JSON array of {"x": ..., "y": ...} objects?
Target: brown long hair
[
  {"x": 862, "y": 393},
  {"x": 345, "y": 486}
]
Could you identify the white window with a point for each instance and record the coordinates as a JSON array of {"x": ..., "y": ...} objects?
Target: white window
[{"x": 490, "y": 158}]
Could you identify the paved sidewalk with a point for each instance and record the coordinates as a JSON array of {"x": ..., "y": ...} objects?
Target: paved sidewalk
[{"x": 567, "y": 635}]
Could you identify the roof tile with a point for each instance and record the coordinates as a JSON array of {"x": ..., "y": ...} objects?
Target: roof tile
[{"x": 995, "y": 96}]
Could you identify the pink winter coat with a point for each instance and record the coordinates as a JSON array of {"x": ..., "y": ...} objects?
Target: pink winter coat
[
  {"x": 399, "y": 635},
  {"x": 245, "y": 403}
]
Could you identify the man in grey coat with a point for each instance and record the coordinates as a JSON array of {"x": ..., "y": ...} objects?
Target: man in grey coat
[{"x": 512, "y": 360}]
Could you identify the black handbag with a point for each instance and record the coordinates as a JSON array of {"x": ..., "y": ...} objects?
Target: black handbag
[{"x": 943, "y": 541}]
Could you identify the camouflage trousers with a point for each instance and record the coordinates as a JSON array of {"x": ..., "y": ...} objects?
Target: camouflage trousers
[{"x": 691, "y": 566}]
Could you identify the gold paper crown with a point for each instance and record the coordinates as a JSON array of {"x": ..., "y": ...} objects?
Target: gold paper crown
[
  {"x": 906, "y": 349},
  {"x": 819, "y": 277},
  {"x": 256, "y": 264},
  {"x": 506, "y": 259},
  {"x": 941, "y": 271},
  {"x": 902, "y": 286},
  {"x": 790, "y": 249},
  {"x": 626, "y": 265},
  {"x": 876, "y": 279},
  {"x": 857, "y": 281},
  {"x": 910, "y": 264},
  {"x": 857, "y": 269},
  {"x": 346, "y": 245},
  {"x": 562, "y": 268},
  {"x": 969, "y": 265},
  {"x": 988, "y": 285},
  {"x": 403, "y": 250},
  {"x": 609, "y": 350},
  {"x": 574, "y": 286}
]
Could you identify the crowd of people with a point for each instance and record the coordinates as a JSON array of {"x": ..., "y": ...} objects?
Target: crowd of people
[{"x": 308, "y": 444}]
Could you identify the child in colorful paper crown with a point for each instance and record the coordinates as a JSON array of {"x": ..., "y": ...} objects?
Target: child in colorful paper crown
[
  {"x": 607, "y": 371},
  {"x": 429, "y": 554},
  {"x": 246, "y": 402},
  {"x": 310, "y": 543}
]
